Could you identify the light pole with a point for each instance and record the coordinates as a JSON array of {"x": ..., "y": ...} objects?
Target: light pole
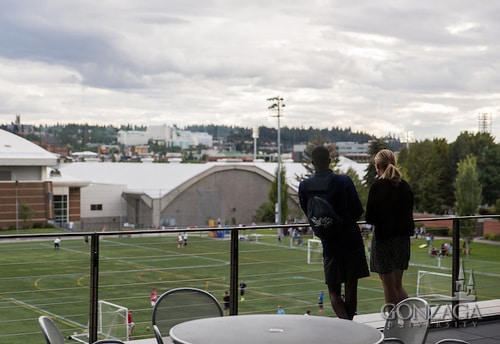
[
  {"x": 255, "y": 135},
  {"x": 17, "y": 208},
  {"x": 277, "y": 104},
  {"x": 159, "y": 208}
]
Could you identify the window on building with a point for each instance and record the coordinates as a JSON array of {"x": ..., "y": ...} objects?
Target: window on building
[
  {"x": 96, "y": 207},
  {"x": 61, "y": 208}
]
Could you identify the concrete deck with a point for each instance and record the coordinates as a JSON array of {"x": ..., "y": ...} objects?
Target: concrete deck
[{"x": 481, "y": 332}]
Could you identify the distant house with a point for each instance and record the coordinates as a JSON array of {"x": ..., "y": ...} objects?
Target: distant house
[{"x": 85, "y": 156}]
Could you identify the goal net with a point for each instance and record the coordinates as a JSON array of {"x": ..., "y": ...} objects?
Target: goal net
[
  {"x": 112, "y": 321},
  {"x": 433, "y": 285},
  {"x": 314, "y": 251}
]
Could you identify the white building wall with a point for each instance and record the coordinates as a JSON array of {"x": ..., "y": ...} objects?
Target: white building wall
[
  {"x": 132, "y": 138},
  {"x": 168, "y": 134},
  {"x": 24, "y": 173},
  {"x": 160, "y": 132},
  {"x": 201, "y": 139},
  {"x": 110, "y": 196},
  {"x": 352, "y": 148},
  {"x": 60, "y": 190}
]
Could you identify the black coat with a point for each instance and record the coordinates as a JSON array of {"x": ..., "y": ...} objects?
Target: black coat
[
  {"x": 339, "y": 190},
  {"x": 390, "y": 209}
]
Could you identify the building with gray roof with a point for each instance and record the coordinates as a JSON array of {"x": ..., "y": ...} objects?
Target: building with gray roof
[
  {"x": 93, "y": 196},
  {"x": 175, "y": 195},
  {"x": 29, "y": 195}
]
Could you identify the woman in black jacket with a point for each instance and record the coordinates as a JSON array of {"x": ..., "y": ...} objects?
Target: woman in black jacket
[{"x": 390, "y": 211}]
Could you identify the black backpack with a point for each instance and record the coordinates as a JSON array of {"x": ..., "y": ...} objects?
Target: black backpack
[{"x": 322, "y": 217}]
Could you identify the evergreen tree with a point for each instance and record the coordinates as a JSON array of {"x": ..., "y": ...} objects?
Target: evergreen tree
[
  {"x": 265, "y": 213},
  {"x": 306, "y": 158},
  {"x": 375, "y": 147},
  {"x": 273, "y": 194},
  {"x": 25, "y": 213},
  {"x": 361, "y": 188}
]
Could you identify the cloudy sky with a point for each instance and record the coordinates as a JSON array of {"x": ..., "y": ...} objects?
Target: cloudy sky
[{"x": 423, "y": 67}]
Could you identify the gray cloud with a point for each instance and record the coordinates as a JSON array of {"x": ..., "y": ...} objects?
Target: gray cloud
[{"x": 377, "y": 66}]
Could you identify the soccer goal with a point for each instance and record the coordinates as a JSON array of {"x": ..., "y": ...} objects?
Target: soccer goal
[
  {"x": 112, "y": 321},
  {"x": 433, "y": 285},
  {"x": 314, "y": 251}
]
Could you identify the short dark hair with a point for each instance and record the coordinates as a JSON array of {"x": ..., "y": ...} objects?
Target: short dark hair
[{"x": 320, "y": 157}]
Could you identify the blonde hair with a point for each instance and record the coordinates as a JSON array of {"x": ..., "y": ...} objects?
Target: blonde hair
[{"x": 386, "y": 161}]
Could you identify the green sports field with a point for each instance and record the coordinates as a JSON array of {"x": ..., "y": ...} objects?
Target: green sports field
[{"x": 36, "y": 279}]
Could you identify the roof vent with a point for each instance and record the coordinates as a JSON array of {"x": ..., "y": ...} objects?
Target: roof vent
[{"x": 55, "y": 173}]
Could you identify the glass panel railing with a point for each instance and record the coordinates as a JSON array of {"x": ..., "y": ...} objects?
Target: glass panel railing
[{"x": 36, "y": 279}]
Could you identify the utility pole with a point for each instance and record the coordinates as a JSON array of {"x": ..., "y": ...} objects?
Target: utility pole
[
  {"x": 277, "y": 105},
  {"x": 17, "y": 207},
  {"x": 255, "y": 135},
  {"x": 17, "y": 202},
  {"x": 484, "y": 122},
  {"x": 159, "y": 208}
]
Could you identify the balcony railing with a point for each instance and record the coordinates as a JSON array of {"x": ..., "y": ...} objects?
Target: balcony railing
[{"x": 122, "y": 268}]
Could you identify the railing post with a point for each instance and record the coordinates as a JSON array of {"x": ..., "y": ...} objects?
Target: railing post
[
  {"x": 455, "y": 266},
  {"x": 94, "y": 287},
  {"x": 233, "y": 278}
]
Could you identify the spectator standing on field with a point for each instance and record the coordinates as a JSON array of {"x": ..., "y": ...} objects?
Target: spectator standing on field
[
  {"x": 321, "y": 301},
  {"x": 57, "y": 242},
  {"x": 227, "y": 300},
  {"x": 428, "y": 239},
  {"x": 243, "y": 287},
  {"x": 153, "y": 297},
  {"x": 130, "y": 323}
]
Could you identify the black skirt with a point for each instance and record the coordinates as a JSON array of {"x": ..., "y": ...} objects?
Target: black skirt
[{"x": 389, "y": 254}]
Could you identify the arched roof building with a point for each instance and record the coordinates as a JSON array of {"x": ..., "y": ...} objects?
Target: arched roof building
[
  {"x": 176, "y": 194},
  {"x": 95, "y": 195}
]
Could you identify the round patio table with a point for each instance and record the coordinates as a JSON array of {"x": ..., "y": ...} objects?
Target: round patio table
[{"x": 268, "y": 328}]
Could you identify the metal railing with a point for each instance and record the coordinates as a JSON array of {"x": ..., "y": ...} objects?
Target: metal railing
[{"x": 96, "y": 260}]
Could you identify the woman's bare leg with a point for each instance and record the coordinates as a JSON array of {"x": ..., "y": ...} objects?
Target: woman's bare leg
[
  {"x": 338, "y": 305},
  {"x": 394, "y": 292}
]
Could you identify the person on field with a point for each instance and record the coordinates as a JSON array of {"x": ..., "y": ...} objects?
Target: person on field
[
  {"x": 57, "y": 243},
  {"x": 153, "y": 297}
]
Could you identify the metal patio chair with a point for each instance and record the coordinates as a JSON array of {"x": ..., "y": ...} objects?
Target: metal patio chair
[
  {"x": 451, "y": 341},
  {"x": 408, "y": 322},
  {"x": 158, "y": 335},
  {"x": 183, "y": 304},
  {"x": 50, "y": 331}
]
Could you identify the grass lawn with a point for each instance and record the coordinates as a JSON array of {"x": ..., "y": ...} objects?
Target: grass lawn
[{"x": 35, "y": 279}]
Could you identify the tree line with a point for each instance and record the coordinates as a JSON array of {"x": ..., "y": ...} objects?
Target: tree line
[
  {"x": 461, "y": 178},
  {"x": 80, "y": 137}
]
